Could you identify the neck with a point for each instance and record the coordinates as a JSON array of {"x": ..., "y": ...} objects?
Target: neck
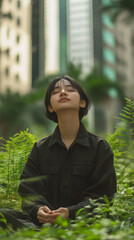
[{"x": 69, "y": 124}]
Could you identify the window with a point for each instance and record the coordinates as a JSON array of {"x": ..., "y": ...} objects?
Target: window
[
  {"x": 8, "y": 52},
  {"x": 18, "y": 4},
  {"x": 18, "y": 21},
  {"x": 110, "y": 73},
  {"x": 7, "y": 71},
  {"x": 17, "y": 39},
  {"x": 17, "y": 77},
  {"x": 108, "y": 38},
  {"x": 107, "y": 20},
  {"x": 17, "y": 58},
  {"x": 109, "y": 55}
]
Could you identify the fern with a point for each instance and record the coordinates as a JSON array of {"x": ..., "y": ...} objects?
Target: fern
[
  {"x": 123, "y": 135},
  {"x": 127, "y": 114},
  {"x": 122, "y": 144},
  {"x": 12, "y": 160}
]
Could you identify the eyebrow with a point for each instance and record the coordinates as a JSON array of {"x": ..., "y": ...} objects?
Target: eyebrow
[{"x": 68, "y": 85}]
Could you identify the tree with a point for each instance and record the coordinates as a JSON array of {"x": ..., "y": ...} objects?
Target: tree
[
  {"x": 17, "y": 111},
  {"x": 97, "y": 87},
  {"x": 117, "y": 7}
]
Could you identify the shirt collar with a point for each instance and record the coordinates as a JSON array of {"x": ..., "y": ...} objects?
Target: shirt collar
[{"x": 82, "y": 137}]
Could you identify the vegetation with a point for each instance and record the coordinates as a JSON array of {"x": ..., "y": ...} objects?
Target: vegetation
[
  {"x": 19, "y": 112},
  {"x": 117, "y": 7},
  {"x": 107, "y": 222}
]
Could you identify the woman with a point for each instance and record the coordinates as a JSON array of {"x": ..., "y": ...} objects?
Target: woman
[{"x": 69, "y": 167}]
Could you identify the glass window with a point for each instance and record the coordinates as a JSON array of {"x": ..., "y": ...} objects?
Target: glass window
[
  {"x": 18, "y": 21},
  {"x": 109, "y": 72},
  {"x": 7, "y": 71},
  {"x": 109, "y": 55},
  {"x": 17, "y": 77},
  {"x": 17, "y": 58},
  {"x": 8, "y": 52},
  {"x": 107, "y": 20},
  {"x": 113, "y": 93},
  {"x": 106, "y": 1},
  {"x": 18, "y": 4},
  {"x": 108, "y": 38},
  {"x": 17, "y": 38}
]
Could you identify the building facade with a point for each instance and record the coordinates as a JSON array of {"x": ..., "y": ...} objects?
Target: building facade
[
  {"x": 51, "y": 33},
  {"x": 80, "y": 34},
  {"x": 125, "y": 54},
  {"x": 15, "y": 46}
]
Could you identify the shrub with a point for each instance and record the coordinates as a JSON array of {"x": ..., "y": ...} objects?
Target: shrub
[
  {"x": 114, "y": 222},
  {"x": 13, "y": 156}
]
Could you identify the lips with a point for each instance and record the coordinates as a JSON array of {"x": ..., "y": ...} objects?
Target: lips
[{"x": 63, "y": 100}]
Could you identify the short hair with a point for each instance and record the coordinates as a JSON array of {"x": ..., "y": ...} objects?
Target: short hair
[{"x": 52, "y": 115}]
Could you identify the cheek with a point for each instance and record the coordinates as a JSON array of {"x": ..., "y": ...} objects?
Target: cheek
[{"x": 52, "y": 102}]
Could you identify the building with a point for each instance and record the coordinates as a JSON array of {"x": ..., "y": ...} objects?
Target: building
[
  {"x": 80, "y": 34},
  {"x": 51, "y": 33},
  {"x": 15, "y": 46},
  {"x": 125, "y": 54},
  {"x": 105, "y": 61}
]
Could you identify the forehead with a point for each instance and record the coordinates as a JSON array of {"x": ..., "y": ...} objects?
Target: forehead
[{"x": 62, "y": 82}]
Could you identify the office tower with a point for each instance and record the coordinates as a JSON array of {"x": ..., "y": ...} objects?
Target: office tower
[
  {"x": 125, "y": 54},
  {"x": 80, "y": 34},
  {"x": 51, "y": 31}
]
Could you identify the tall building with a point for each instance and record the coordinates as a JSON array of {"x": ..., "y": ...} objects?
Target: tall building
[
  {"x": 51, "y": 31},
  {"x": 63, "y": 36},
  {"x": 109, "y": 48},
  {"x": 125, "y": 54},
  {"x": 37, "y": 39},
  {"x": 15, "y": 46},
  {"x": 97, "y": 35},
  {"x": 80, "y": 34},
  {"x": 105, "y": 61}
]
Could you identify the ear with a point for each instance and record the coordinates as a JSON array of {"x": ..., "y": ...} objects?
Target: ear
[
  {"x": 50, "y": 109},
  {"x": 82, "y": 103}
]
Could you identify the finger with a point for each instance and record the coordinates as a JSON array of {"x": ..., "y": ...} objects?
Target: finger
[
  {"x": 48, "y": 218},
  {"x": 56, "y": 211},
  {"x": 46, "y": 209}
]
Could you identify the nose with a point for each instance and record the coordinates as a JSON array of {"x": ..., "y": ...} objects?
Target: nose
[{"x": 63, "y": 91}]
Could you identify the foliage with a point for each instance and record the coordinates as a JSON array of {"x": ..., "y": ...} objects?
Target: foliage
[
  {"x": 117, "y": 7},
  {"x": 18, "y": 112},
  {"x": 107, "y": 222},
  {"x": 13, "y": 156},
  {"x": 97, "y": 86}
]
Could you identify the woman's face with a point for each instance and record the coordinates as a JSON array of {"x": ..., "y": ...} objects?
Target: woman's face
[{"x": 65, "y": 97}]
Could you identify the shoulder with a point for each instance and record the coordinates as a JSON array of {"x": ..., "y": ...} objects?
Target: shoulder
[
  {"x": 98, "y": 141},
  {"x": 44, "y": 141}
]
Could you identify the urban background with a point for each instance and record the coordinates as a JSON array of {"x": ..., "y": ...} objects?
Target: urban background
[{"x": 90, "y": 40}]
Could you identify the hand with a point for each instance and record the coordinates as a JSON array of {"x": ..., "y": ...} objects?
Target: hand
[
  {"x": 64, "y": 213},
  {"x": 45, "y": 215}
]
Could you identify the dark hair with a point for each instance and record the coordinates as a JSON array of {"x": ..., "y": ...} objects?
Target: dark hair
[{"x": 83, "y": 111}]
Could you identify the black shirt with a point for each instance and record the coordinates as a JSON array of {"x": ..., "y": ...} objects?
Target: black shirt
[{"x": 62, "y": 177}]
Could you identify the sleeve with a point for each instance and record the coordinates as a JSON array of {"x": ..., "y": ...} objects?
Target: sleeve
[
  {"x": 32, "y": 188},
  {"x": 102, "y": 182}
]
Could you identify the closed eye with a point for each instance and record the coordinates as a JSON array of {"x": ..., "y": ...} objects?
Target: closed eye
[
  {"x": 70, "y": 89},
  {"x": 54, "y": 92}
]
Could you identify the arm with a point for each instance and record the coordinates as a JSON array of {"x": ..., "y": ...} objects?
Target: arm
[
  {"x": 102, "y": 181},
  {"x": 31, "y": 186}
]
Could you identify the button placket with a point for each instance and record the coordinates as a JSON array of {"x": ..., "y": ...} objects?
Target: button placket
[{"x": 65, "y": 178}]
